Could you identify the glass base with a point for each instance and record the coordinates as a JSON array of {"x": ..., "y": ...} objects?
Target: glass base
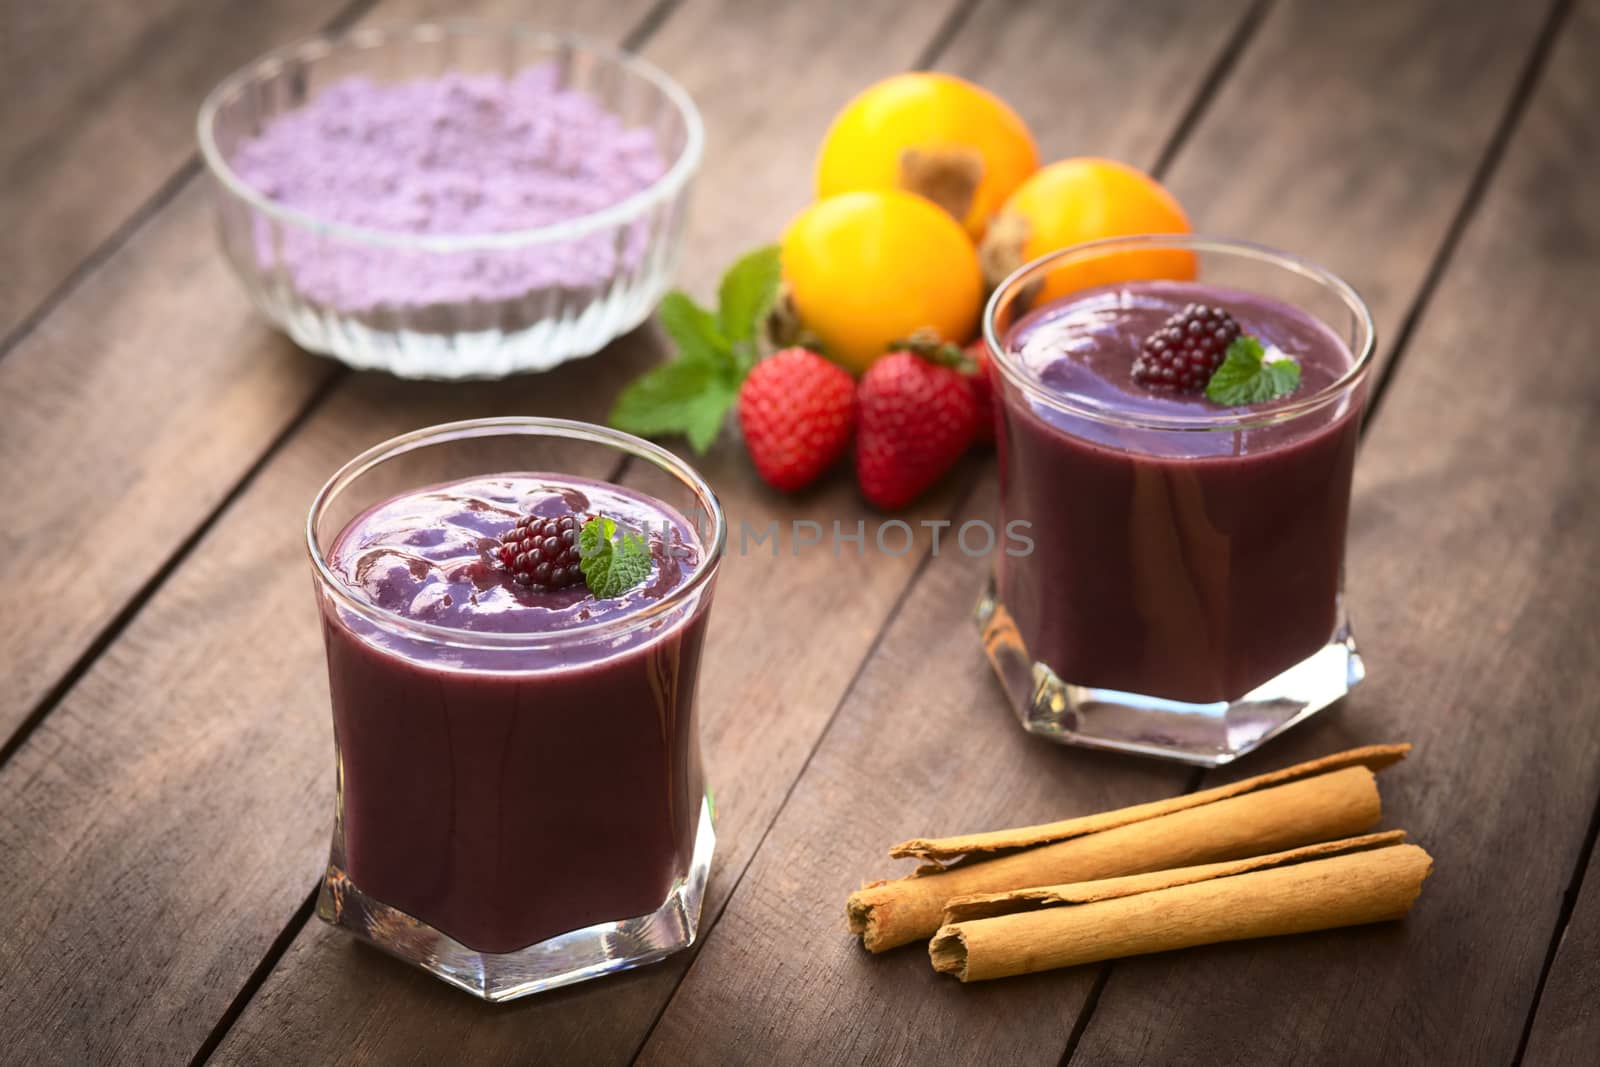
[
  {"x": 522, "y": 342},
  {"x": 1207, "y": 735},
  {"x": 563, "y": 960}
]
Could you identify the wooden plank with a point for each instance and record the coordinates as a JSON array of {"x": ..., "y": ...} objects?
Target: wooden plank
[
  {"x": 141, "y": 400},
  {"x": 111, "y": 91},
  {"x": 1566, "y": 1028},
  {"x": 924, "y": 744},
  {"x": 1475, "y": 574}
]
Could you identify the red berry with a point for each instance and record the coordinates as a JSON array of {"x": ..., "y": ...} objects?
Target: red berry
[
  {"x": 1188, "y": 348},
  {"x": 917, "y": 418},
  {"x": 542, "y": 552},
  {"x": 796, "y": 410},
  {"x": 982, "y": 389}
]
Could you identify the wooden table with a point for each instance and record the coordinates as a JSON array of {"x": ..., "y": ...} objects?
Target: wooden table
[{"x": 166, "y": 778}]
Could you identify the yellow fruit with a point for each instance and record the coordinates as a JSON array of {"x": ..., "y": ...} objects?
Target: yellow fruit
[
  {"x": 932, "y": 134},
  {"x": 1079, "y": 200},
  {"x": 870, "y": 268}
]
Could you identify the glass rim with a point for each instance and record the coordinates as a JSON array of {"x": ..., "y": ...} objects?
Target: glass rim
[
  {"x": 1224, "y": 419},
  {"x": 628, "y": 209},
  {"x": 527, "y": 426}
]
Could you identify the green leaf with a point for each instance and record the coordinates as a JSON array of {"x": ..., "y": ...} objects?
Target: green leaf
[
  {"x": 1247, "y": 377},
  {"x": 611, "y": 566},
  {"x": 691, "y": 395},
  {"x": 687, "y": 396},
  {"x": 710, "y": 413},
  {"x": 1284, "y": 375},
  {"x": 694, "y": 330},
  {"x": 747, "y": 294}
]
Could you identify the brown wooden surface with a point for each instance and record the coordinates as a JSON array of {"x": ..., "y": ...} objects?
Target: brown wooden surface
[
  {"x": 165, "y": 795},
  {"x": 1567, "y": 1026},
  {"x": 99, "y": 116}
]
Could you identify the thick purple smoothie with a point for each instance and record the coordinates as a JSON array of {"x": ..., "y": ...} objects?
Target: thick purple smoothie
[
  {"x": 508, "y": 795},
  {"x": 1189, "y": 565}
]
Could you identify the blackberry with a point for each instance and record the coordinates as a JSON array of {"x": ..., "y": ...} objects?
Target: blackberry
[
  {"x": 1188, "y": 347},
  {"x": 542, "y": 553}
]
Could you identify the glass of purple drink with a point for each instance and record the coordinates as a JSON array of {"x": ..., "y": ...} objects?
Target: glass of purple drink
[
  {"x": 1184, "y": 594},
  {"x": 520, "y": 802}
]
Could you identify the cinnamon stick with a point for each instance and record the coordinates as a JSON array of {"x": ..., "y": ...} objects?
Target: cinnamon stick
[
  {"x": 1293, "y": 894},
  {"x": 1034, "y": 898},
  {"x": 938, "y": 849},
  {"x": 1333, "y": 805}
]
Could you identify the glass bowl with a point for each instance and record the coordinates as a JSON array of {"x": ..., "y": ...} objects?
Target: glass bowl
[{"x": 341, "y": 289}]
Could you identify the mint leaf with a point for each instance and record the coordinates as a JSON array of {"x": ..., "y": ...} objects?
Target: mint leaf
[
  {"x": 708, "y": 414},
  {"x": 747, "y": 294},
  {"x": 1247, "y": 377},
  {"x": 1241, "y": 365},
  {"x": 1284, "y": 375},
  {"x": 691, "y": 395},
  {"x": 687, "y": 396},
  {"x": 694, "y": 330},
  {"x": 610, "y": 566}
]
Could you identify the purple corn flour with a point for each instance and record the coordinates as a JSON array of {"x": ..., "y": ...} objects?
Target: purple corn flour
[{"x": 462, "y": 154}]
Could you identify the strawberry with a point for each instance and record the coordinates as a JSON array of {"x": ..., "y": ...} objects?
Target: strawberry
[
  {"x": 916, "y": 418},
  {"x": 982, "y": 389},
  {"x": 973, "y": 363},
  {"x": 796, "y": 410}
]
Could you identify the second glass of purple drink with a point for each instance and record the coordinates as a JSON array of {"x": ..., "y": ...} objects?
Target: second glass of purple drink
[
  {"x": 520, "y": 799},
  {"x": 1184, "y": 594}
]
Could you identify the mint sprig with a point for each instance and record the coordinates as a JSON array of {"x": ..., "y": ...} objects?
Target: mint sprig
[
  {"x": 692, "y": 393},
  {"x": 1246, "y": 376},
  {"x": 744, "y": 298},
  {"x": 611, "y": 565}
]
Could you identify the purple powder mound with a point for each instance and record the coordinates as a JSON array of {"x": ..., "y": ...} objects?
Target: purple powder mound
[{"x": 458, "y": 155}]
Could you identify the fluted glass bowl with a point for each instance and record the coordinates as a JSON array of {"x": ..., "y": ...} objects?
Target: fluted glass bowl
[{"x": 323, "y": 282}]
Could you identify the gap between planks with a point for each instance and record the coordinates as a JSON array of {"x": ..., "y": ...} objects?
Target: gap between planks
[
  {"x": 258, "y": 976},
  {"x": 1221, "y": 68},
  {"x": 1569, "y": 904}
]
